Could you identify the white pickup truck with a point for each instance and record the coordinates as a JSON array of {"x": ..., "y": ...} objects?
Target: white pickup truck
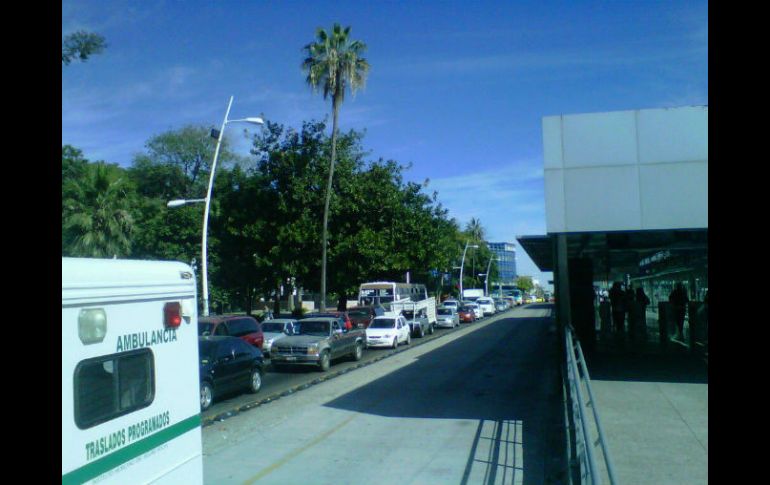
[{"x": 421, "y": 315}]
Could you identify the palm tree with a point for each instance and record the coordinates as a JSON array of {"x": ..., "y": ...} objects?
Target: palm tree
[
  {"x": 475, "y": 230},
  {"x": 333, "y": 63},
  {"x": 97, "y": 222}
]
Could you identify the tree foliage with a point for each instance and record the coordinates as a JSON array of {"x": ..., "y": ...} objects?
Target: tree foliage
[
  {"x": 264, "y": 227},
  {"x": 81, "y": 45},
  {"x": 96, "y": 210}
]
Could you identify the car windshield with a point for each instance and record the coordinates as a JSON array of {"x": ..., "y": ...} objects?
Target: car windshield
[
  {"x": 444, "y": 311},
  {"x": 313, "y": 327},
  {"x": 358, "y": 313},
  {"x": 383, "y": 323},
  {"x": 408, "y": 314},
  {"x": 242, "y": 326},
  {"x": 274, "y": 327}
]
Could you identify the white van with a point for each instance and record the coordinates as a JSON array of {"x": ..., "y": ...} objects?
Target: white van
[
  {"x": 486, "y": 304},
  {"x": 130, "y": 373}
]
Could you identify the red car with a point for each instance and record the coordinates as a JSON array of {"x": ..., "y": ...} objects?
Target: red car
[
  {"x": 467, "y": 315},
  {"x": 362, "y": 316},
  {"x": 243, "y": 326}
]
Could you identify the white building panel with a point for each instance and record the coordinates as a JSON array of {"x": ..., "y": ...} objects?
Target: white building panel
[
  {"x": 674, "y": 195},
  {"x": 602, "y": 199},
  {"x": 626, "y": 170},
  {"x": 599, "y": 139},
  {"x": 552, "y": 153},
  {"x": 555, "y": 219},
  {"x": 673, "y": 135}
]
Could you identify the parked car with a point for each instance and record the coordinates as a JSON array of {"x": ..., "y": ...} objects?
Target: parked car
[
  {"x": 343, "y": 315},
  {"x": 475, "y": 308},
  {"x": 419, "y": 324},
  {"x": 388, "y": 332},
  {"x": 242, "y": 326},
  {"x": 510, "y": 300},
  {"x": 227, "y": 364},
  {"x": 317, "y": 341},
  {"x": 451, "y": 304},
  {"x": 361, "y": 316},
  {"x": 276, "y": 329},
  {"x": 447, "y": 317},
  {"x": 466, "y": 315},
  {"x": 486, "y": 304},
  {"x": 501, "y": 305}
]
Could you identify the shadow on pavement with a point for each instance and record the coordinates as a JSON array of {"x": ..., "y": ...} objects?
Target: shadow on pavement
[
  {"x": 678, "y": 366},
  {"x": 506, "y": 377}
]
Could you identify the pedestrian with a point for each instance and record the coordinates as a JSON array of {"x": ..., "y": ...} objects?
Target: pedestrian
[
  {"x": 618, "y": 305},
  {"x": 641, "y": 297},
  {"x": 678, "y": 300}
]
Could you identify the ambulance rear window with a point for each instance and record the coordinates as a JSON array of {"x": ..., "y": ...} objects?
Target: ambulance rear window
[{"x": 113, "y": 385}]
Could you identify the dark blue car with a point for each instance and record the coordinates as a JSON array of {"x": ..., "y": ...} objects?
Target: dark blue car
[{"x": 228, "y": 364}]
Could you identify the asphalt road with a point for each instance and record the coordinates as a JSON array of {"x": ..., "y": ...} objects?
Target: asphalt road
[
  {"x": 481, "y": 404},
  {"x": 289, "y": 379}
]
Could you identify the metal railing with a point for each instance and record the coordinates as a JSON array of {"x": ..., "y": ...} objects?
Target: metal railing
[{"x": 577, "y": 376}]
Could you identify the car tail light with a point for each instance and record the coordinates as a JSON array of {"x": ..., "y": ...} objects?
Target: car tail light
[{"x": 172, "y": 314}]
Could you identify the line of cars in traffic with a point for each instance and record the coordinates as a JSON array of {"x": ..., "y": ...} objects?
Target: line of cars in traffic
[{"x": 233, "y": 348}]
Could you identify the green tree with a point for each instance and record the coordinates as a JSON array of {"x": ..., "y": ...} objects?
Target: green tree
[
  {"x": 333, "y": 63},
  {"x": 97, "y": 219},
  {"x": 524, "y": 283},
  {"x": 81, "y": 45}
]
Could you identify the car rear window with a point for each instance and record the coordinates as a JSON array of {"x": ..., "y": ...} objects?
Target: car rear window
[
  {"x": 242, "y": 326},
  {"x": 383, "y": 323}
]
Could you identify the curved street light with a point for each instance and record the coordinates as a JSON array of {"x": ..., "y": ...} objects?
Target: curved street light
[
  {"x": 207, "y": 200},
  {"x": 462, "y": 263}
]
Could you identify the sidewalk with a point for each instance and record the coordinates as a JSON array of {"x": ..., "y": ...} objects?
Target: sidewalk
[{"x": 653, "y": 405}]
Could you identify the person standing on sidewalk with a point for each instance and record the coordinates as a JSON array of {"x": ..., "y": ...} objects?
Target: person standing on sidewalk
[
  {"x": 678, "y": 300},
  {"x": 641, "y": 297},
  {"x": 618, "y": 305}
]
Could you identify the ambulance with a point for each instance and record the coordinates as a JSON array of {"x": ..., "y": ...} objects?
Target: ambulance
[{"x": 130, "y": 383}]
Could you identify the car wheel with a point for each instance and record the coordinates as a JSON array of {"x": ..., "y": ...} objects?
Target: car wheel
[
  {"x": 409, "y": 338},
  {"x": 207, "y": 395},
  {"x": 256, "y": 381},
  {"x": 358, "y": 352},
  {"x": 430, "y": 329},
  {"x": 324, "y": 363},
  {"x": 421, "y": 333},
  {"x": 395, "y": 342}
]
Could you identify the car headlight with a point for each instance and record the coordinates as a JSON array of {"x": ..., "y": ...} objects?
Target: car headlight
[
  {"x": 312, "y": 349},
  {"x": 386, "y": 335}
]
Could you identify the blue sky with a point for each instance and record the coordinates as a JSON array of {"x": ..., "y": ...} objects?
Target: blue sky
[{"x": 458, "y": 89}]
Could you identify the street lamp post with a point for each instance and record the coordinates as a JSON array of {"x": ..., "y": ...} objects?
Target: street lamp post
[
  {"x": 486, "y": 276},
  {"x": 207, "y": 200},
  {"x": 462, "y": 263}
]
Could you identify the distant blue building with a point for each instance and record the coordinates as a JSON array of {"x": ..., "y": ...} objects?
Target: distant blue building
[{"x": 506, "y": 260}]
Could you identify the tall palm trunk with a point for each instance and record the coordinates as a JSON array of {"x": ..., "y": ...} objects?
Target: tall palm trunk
[{"x": 335, "y": 110}]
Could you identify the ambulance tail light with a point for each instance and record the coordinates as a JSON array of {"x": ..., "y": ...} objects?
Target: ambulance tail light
[{"x": 172, "y": 314}]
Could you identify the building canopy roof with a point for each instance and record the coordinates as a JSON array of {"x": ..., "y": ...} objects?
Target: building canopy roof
[{"x": 621, "y": 252}]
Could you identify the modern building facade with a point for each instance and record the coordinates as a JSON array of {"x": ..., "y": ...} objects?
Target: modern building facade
[
  {"x": 506, "y": 260},
  {"x": 626, "y": 197}
]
